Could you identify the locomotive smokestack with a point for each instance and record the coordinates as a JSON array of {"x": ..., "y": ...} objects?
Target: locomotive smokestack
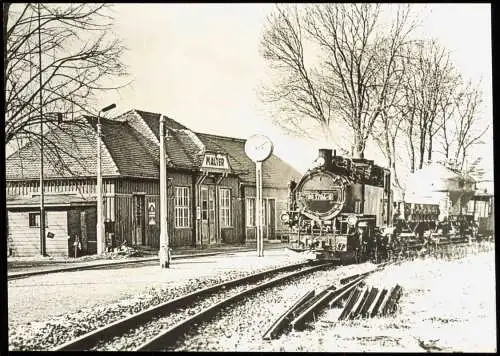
[{"x": 326, "y": 154}]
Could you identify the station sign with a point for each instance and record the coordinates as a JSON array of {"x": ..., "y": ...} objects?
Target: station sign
[
  {"x": 152, "y": 213},
  {"x": 212, "y": 160}
]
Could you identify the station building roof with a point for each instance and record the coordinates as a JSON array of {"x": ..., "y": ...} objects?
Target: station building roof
[
  {"x": 130, "y": 148},
  {"x": 70, "y": 151},
  {"x": 56, "y": 200},
  {"x": 275, "y": 171}
]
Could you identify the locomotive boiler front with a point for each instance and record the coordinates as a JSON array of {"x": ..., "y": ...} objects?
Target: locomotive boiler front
[{"x": 321, "y": 194}]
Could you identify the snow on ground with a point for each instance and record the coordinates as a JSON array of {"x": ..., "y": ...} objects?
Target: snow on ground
[
  {"x": 445, "y": 306},
  {"x": 38, "y": 297}
]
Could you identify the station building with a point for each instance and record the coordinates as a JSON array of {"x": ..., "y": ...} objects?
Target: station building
[{"x": 211, "y": 188}]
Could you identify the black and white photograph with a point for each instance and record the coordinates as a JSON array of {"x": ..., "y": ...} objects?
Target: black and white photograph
[{"x": 249, "y": 177}]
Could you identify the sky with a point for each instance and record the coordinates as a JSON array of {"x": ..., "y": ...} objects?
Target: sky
[{"x": 200, "y": 65}]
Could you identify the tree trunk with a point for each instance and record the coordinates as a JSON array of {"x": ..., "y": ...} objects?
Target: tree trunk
[
  {"x": 394, "y": 174},
  {"x": 412, "y": 149},
  {"x": 6, "y": 7},
  {"x": 358, "y": 147},
  {"x": 429, "y": 149},
  {"x": 392, "y": 166},
  {"x": 421, "y": 150},
  {"x": 387, "y": 143}
]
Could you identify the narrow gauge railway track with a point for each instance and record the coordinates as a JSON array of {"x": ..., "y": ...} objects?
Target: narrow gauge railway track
[
  {"x": 169, "y": 337},
  {"x": 62, "y": 268},
  {"x": 238, "y": 324},
  {"x": 432, "y": 247},
  {"x": 142, "y": 331},
  {"x": 310, "y": 305}
]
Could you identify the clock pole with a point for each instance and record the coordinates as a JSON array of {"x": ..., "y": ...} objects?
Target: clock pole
[
  {"x": 259, "y": 148},
  {"x": 259, "y": 210}
]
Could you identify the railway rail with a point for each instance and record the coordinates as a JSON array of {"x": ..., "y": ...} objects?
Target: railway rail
[
  {"x": 132, "y": 331},
  {"x": 159, "y": 327},
  {"x": 310, "y": 305}
]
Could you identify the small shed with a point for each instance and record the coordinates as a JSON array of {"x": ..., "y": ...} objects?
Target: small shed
[{"x": 66, "y": 216}]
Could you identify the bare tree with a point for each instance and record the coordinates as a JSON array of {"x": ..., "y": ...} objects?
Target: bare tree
[
  {"x": 429, "y": 84},
  {"x": 80, "y": 58},
  {"x": 351, "y": 70},
  {"x": 394, "y": 109},
  {"x": 466, "y": 129},
  {"x": 297, "y": 93}
]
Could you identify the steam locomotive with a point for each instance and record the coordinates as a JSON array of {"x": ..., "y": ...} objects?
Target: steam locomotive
[
  {"x": 337, "y": 208},
  {"x": 342, "y": 210}
]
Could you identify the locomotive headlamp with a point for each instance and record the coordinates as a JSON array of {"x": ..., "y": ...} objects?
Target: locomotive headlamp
[
  {"x": 320, "y": 161},
  {"x": 352, "y": 220},
  {"x": 285, "y": 218}
]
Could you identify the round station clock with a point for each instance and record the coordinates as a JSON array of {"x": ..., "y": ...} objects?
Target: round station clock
[{"x": 258, "y": 148}]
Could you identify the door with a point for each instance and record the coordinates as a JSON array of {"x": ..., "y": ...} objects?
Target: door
[
  {"x": 211, "y": 214},
  {"x": 208, "y": 216},
  {"x": 204, "y": 216},
  {"x": 89, "y": 222},
  {"x": 83, "y": 230},
  {"x": 139, "y": 217}
]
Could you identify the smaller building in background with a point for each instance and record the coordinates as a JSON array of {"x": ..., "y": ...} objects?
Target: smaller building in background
[
  {"x": 455, "y": 193},
  {"x": 211, "y": 188},
  {"x": 482, "y": 206}
]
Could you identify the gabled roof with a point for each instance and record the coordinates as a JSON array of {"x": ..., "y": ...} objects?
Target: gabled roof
[
  {"x": 69, "y": 150},
  {"x": 153, "y": 121},
  {"x": 130, "y": 156},
  {"x": 275, "y": 172},
  {"x": 55, "y": 200},
  {"x": 131, "y": 148},
  {"x": 437, "y": 178},
  {"x": 177, "y": 148},
  {"x": 76, "y": 153},
  {"x": 180, "y": 148},
  {"x": 234, "y": 148}
]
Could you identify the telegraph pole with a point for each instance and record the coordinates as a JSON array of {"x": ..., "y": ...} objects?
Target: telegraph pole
[
  {"x": 99, "y": 227},
  {"x": 164, "y": 252},
  {"x": 42, "y": 208},
  {"x": 101, "y": 242}
]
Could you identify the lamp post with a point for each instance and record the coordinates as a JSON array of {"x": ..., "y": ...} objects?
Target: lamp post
[
  {"x": 164, "y": 252},
  {"x": 101, "y": 243}
]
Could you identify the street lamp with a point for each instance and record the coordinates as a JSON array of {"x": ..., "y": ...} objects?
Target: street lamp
[
  {"x": 101, "y": 243},
  {"x": 164, "y": 252}
]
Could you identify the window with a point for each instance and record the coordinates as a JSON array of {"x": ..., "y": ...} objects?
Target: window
[
  {"x": 182, "y": 207},
  {"x": 250, "y": 218},
  {"x": 204, "y": 204},
  {"x": 357, "y": 206},
  {"x": 34, "y": 219},
  {"x": 225, "y": 207}
]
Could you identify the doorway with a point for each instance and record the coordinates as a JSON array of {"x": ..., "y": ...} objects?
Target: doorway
[
  {"x": 139, "y": 217},
  {"x": 208, "y": 215}
]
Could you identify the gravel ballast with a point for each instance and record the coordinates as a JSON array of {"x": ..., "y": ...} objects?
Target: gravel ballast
[
  {"x": 133, "y": 338},
  {"x": 446, "y": 305},
  {"x": 57, "y": 329},
  {"x": 240, "y": 327}
]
